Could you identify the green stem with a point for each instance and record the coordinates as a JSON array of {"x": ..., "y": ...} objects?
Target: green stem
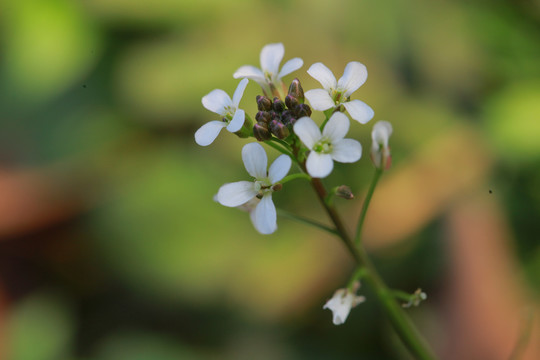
[
  {"x": 295, "y": 176},
  {"x": 376, "y": 177},
  {"x": 280, "y": 149},
  {"x": 304, "y": 220},
  {"x": 400, "y": 322}
]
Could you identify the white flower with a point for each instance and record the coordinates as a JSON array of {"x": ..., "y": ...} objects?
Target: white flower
[
  {"x": 327, "y": 146},
  {"x": 232, "y": 117},
  {"x": 338, "y": 93},
  {"x": 342, "y": 302},
  {"x": 380, "y": 151},
  {"x": 239, "y": 193},
  {"x": 271, "y": 56}
]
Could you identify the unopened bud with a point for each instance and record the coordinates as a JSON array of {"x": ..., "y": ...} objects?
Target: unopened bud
[
  {"x": 278, "y": 105},
  {"x": 380, "y": 151},
  {"x": 264, "y": 103},
  {"x": 277, "y": 187},
  {"x": 302, "y": 110},
  {"x": 344, "y": 192},
  {"x": 263, "y": 116},
  {"x": 260, "y": 131},
  {"x": 278, "y": 129},
  {"x": 296, "y": 91},
  {"x": 291, "y": 102},
  {"x": 288, "y": 118}
]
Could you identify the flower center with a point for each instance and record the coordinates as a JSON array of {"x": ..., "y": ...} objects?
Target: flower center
[
  {"x": 324, "y": 146},
  {"x": 336, "y": 95},
  {"x": 263, "y": 186},
  {"x": 230, "y": 111}
]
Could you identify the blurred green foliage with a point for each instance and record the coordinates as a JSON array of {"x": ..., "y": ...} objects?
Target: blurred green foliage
[{"x": 111, "y": 89}]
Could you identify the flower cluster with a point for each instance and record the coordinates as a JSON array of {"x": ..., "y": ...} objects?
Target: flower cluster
[{"x": 284, "y": 122}]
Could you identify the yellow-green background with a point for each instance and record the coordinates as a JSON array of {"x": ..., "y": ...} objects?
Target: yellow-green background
[{"x": 99, "y": 101}]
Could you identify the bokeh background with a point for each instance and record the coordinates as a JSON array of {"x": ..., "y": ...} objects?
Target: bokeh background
[{"x": 112, "y": 248}]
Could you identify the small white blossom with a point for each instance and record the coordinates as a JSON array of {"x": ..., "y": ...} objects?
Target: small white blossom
[
  {"x": 220, "y": 102},
  {"x": 240, "y": 193},
  {"x": 269, "y": 74},
  {"x": 327, "y": 146},
  {"x": 337, "y": 93},
  {"x": 380, "y": 151},
  {"x": 342, "y": 302}
]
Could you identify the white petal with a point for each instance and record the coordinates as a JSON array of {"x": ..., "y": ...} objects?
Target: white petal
[
  {"x": 354, "y": 76},
  {"x": 255, "y": 160},
  {"x": 237, "y": 193},
  {"x": 279, "y": 168},
  {"x": 290, "y": 66},
  {"x": 237, "y": 121},
  {"x": 239, "y": 92},
  {"x": 250, "y": 72},
  {"x": 319, "y": 165},
  {"x": 209, "y": 132},
  {"x": 322, "y": 74},
  {"x": 359, "y": 111},
  {"x": 346, "y": 151},
  {"x": 319, "y": 99},
  {"x": 340, "y": 305},
  {"x": 265, "y": 217},
  {"x": 336, "y": 128},
  {"x": 271, "y": 56},
  {"x": 381, "y": 132},
  {"x": 307, "y": 131},
  {"x": 216, "y": 101}
]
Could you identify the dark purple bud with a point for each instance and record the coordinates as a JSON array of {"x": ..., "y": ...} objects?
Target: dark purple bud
[
  {"x": 344, "y": 192},
  {"x": 263, "y": 116},
  {"x": 263, "y": 103},
  {"x": 291, "y": 102},
  {"x": 260, "y": 131},
  {"x": 302, "y": 110},
  {"x": 288, "y": 118},
  {"x": 278, "y": 105},
  {"x": 278, "y": 129},
  {"x": 296, "y": 91}
]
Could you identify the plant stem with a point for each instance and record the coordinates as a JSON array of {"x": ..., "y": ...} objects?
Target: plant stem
[
  {"x": 280, "y": 149},
  {"x": 304, "y": 220},
  {"x": 374, "y": 181},
  {"x": 401, "y": 324}
]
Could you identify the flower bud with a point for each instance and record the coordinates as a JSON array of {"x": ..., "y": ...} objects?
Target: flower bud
[
  {"x": 302, "y": 110},
  {"x": 344, "y": 192},
  {"x": 296, "y": 91},
  {"x": 260, "y": 131},
  {"x": 263, "y": 116},
  {"x": 263, "y": 103},
  {"x": 288, "y": 118},
  {"x": 277, "y": 187},
  {"x": 278, "y": 105},
  {"x": 380, "y": 151},
  {"x": 291, "y": 102},
  {"x": 278, "y": 129}
]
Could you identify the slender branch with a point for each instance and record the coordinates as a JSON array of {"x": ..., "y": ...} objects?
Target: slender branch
[
  {"x": 307, "y": 221},
  {"x": 280, "y": 149},
  {"x": 400, "y": 322},
  {"x": 376, "y": 177},
  {"x": 295, "y": 176}
]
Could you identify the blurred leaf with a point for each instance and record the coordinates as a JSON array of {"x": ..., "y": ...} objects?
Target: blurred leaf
[
  {"x": 512, "y": 121},
  {"x": 140, "y": 346},
  {"x": 47, "y": 46},
  {"x": 40, "y": 327}
]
